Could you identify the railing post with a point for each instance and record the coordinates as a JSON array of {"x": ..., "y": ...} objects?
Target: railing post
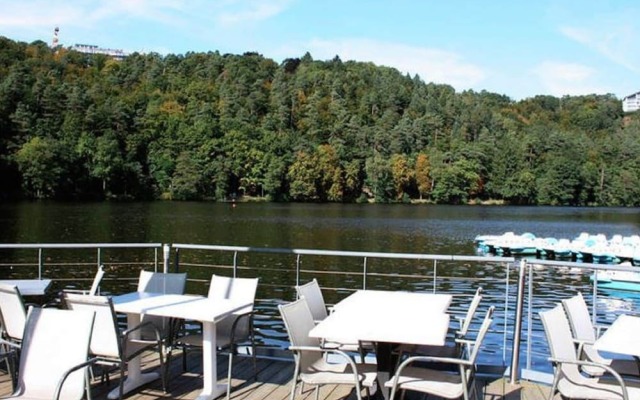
[
  {"x": 40, "y": 263},
  {"x": 235, "y": 264},
  {"x": 176, "y": 261},
  {"x": 298, "y": 270},
  {"x": 594, "y": 298},
  {"x": 364, "y": 274},
  {"x": 435, "y": 275},
  {"x": 166, "y": 255},
  {"x": 99, "y": 256},
  {"x": 517, "y": 326}
]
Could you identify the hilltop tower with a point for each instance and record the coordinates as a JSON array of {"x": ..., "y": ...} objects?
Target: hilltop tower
[{"x": 54, "y": 41}]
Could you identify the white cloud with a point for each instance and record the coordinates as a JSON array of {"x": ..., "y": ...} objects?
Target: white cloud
[
  {"x": 433, "y": 65},
  {"x": 614, "y": 39},
  {"x": 559, "y": 79}
]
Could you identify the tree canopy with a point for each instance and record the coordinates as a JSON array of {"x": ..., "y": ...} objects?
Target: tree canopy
[{"x": 221, "y": 126}]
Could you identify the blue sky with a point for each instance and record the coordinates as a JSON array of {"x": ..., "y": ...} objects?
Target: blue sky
[{"x": 514, "y": 47}]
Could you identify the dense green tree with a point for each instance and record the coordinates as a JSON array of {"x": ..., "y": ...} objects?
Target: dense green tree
[{"x": 219, "y": 126}]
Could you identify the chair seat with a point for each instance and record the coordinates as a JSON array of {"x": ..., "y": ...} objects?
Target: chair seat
[
  {"x": 321, "y": 372},
  {"x": 446, "y": 351},
  {"x": 594, "y": 388},
  {"x": 621, "y": 366},
  {"x": 439, "y": 383}
]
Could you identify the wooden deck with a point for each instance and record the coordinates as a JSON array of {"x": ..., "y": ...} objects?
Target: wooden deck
[{"x": 273, "y": 382}]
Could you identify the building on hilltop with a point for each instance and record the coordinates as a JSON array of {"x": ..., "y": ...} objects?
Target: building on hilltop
[
  {"x": 631, "y": 103},
  {"x": 116, "y": 54}
]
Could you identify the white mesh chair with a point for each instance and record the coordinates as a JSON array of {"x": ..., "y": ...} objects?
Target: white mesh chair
[
  {"x": 13, "y": 313},
  {"x": 13, "y": 316},
  {"x": 585, "y": 335},
  {"x": 315, "y": 300},
  {"x": 110, "y": 345},
  {"x": 92, "y": 291},
  {"x": 567, "y": 378},
  {"x": 438, "y": 382},
  {"x": 95, "y": 284},
  {"x": 233, "y": 330},
  {"x": 312, "y": 293},
  {"x": 54, "y": 355},
  {"x": 460, "y": 335},
  {"x": 165, "y": 283},
  {"x": 311, "y": 367}
]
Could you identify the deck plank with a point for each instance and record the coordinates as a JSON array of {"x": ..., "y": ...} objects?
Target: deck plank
[{"x": 273, "y": 382}]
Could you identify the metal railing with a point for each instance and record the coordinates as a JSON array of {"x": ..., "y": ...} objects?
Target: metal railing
[
  {"x": 42, "y": 248},
  {"x": 517, "y": 317}
]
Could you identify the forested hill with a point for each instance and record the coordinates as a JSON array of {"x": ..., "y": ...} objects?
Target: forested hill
[{"x": 214, "y": 126}]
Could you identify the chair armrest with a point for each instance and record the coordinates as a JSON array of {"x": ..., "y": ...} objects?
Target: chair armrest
[
  {"x": 68, "y": 372},
  {"x": 76, "y": 291},
  {"x": 581, "y": 343},
  {"x": 344, "y": 355},
  {"x": 10, "y": 344},
  {"x": 431, "y": 359},
  {"x": 599, "y": 330}
]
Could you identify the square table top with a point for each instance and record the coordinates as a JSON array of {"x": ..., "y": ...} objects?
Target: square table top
[
  {"x": 386, "y": 316},
  {"x": 29, "y": 287},
  {"x": 185, "y": 306},
  {"x": 621, "y": 337}
]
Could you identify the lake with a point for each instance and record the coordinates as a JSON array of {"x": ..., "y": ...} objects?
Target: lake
[{"x": 356, "y": 227}]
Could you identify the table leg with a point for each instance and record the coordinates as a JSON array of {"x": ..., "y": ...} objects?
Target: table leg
[
  {"x": 210, "y": 389},
  {"x": 386, "y": 366},
  {"x": 135, "y": 378}
]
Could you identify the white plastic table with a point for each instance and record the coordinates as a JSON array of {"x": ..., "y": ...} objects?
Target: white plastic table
[
  {"x": 198, "y": 308},
  {"x": 29, "y": 287},
  {"x": 387, "y": 318},
  {"x": 621, "y": 337}
]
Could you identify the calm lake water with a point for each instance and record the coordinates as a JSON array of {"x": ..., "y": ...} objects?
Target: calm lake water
[
  {"x": 388, "y": 228},
  {"x": 445, "y": 230}
]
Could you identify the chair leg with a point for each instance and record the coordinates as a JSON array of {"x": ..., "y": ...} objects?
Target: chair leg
[
  {"x": 121, "y": 383},
  {"x": 163, "y": 370},
  {"x": 167, "y": 364},
  {"x": 88, "y": 373},
  {"x": 229, "y": 373},
  {"x": 295, "y": 379},
  {"x": 184, "y": 358}
]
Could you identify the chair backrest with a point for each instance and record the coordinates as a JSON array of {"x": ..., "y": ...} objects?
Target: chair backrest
[
  {"x": 298, "y": 321},
  {"x": 561, "y": 346},
  {"x": 313, "y": 294},
  {"x": 471, "y": 311},
  {"x": 484, "y": 328},
  {"x": 96, "y": 281},
  {"x": 158, "y": 282},
  {"x": 223, "y": 287},
  {"x": 105, "y": 340},
  {"x": 12, "y": 313},
  {"x": 241, "y": 289},
  {"x": 579, "y": 318},
  {"x": 54, "y": 342}
]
